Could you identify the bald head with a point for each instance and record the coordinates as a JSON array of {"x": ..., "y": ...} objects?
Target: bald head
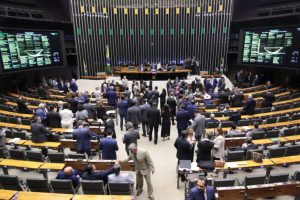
[
  {"x": 68, "y": 170},
  {"x": 132, "y": 148}
]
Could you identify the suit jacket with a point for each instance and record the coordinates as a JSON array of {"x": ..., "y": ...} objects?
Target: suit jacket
[
  {"x": 134, "y": 115},
  {"x": 109, "y": 146},
  {"x": 90, "y": 109},
  {"x": 237, "y": 100},
  {"x": 204, "y": 150},
  {"x": 123, "y": 107},
  {"x": 53, "y": 119},
  {"x": 111, "y": 97},
  {"x": 172, "y": 104},
  {"x": 130, "y": 136},
  {"x": 38, "y": 133},
  {"x": 83, "y": 137},
  {"x": 191, "y": 108},
  {"x": 153, "y": 116},
  {"x": 184, "y": 149},
  {"x": 199, "y": 125},
  {"x": 249, "y": 107},
  {"x": 73, "y": 104},
  {"x": 269, "y": 98},
  {"x": 142, "y": 162},
  {"x": 194, "y": 194},
  {"x": 182, "y": 118},
  {"x": 219, "y": 147},
  {"x": 144, "y": 109}
]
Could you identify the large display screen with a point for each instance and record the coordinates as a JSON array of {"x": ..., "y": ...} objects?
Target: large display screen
[
  {"x": 22, "y": 49},
  {"x": 274, "y": 47}
]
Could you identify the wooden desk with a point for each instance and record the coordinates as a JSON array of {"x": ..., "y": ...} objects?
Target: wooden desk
[
  {"x": 272, "y": 190},
  {"x": 15, "y": 105},
  {"x": 283, "y": 160},
  {"x": 8, "y": 125},
  {"x": 62, "y": 130},
  {"x": 262, "y": 91},
  {"x": 15, "y": 114},
  {"x": 68, "y": 143},
  {"x": 51, "y": 145},
  {"x": 101, "y": 197},
  {"x": 292, "y": 138},
  {"x": 7, "y": 194},
  {"x": 253, "y": 87},
  {"x": 52, "y": 166},
  {"x": 19, "y": 142},
  {"x": 33, "y": 99},
  {"x": 24, "y": 127},
  {"x": 99, "y": 164},
  {"x": 21, "y": 164},
  {"x": 230, "y": 193},
  {"x": 42, "y": 195},
  {"x": 248, "y": 164}
]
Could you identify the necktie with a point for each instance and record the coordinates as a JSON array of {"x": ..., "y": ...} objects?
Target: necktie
[{"x": 202, "y": 196}]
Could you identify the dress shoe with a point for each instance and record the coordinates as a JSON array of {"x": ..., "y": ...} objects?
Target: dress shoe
[
  {"x": 144, "y": 135},
  {"x": 151, "y": 198},
  {"x": 139, "y": 192},
  {"x": 150, "y": 139}
]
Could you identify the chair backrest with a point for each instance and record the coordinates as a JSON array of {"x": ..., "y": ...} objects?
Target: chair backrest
[
  {"x": 25, "y": 121},
  {"x": 10, "y": 182},
  {"x": 258, "y": 135},
  {"x": 268, "y": 109},
  {"x": 2, "y": 152},
  {"x": 34, "y": 156},
  {"x": 38, "y": 184},
  {"x": 56, "y": 157},
  {"x": 283, "y": 119},
  {"x": 235, "y": 155},
  {"x": 277, "y": 152},
  {"x": 18, "y": 154},
  {"x": 76, "y": 156},
  {"x": 249, "y": 153},
  {"x": 9, "y": 134},
  {"x": 244, "y": 122},
  {"x": 62, "y": 186},
  {"x": 218, "y": 114},
  {"x": 271, "y": 120},
  {"x": 211, "y": 106},
  {"x": 258, "y": 110},
  {"x": 119, "y": 188},
  {"x": 19, "y": 134},
  {"x": 292, "y": 150},
  {"x": 272, "y": 133},
  {"x": 295, "y": 117},
  {"x": 224, "y": 182},
  {"x": 277, "y": 178},
  {"x": 290, "y": 131},
  {"x": 255, "y": 180},
  {"x": 212, "y": 124},
  {"x": 226, "y": 124},
  {"x": 256, "y": 120},
  {"x": 93, "y": 187},
  {"x": 13, "y": 120},
  {"x": 238, "y": 135}
]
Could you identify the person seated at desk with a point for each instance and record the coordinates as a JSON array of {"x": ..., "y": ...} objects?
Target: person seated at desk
[
  {"x": 90, "y": 173},
  {"x": 207, "y": 100},
  {"x": 249, "y": 145},
  {"x": 117, "y": 177},
  {"x": 22, "y": 106},
  {"x": 39, "y": 134},
  {"x": 249, "y": 106},
  {"x": 256, "y": 129},
  {"x": 81, "y": 113},
  {"x": 41, "y": 112},
  {"x": 212, "y": 119},
  {"x": 53, "y": 119},
  {"x": 201, "y": 191},
  {"x": 234, "y": 131},
  {"x": 70, "y": 174}
]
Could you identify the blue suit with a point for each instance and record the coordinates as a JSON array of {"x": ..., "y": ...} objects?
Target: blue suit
[
  {"x": 196, "y": 194},
  {"x": 109, "y": 147},
  {"x": 191, "y": 108},
  {"x": 41, "y": 113},
  {"x": 111, "y": 97},
  {"x": 73, "y": 86},
  {"x": 73, "y": 177},
  {"x": 83, "y": 137},
  {"x": 182, "y": 117},
  {"x": 123, "y": 107}
]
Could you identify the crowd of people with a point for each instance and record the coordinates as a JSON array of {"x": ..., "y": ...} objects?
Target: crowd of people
[{"x": 145, "y": 110}]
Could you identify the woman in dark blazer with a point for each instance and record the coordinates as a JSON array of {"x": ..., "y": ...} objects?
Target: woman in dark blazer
[{"x": 166, "y": 122}]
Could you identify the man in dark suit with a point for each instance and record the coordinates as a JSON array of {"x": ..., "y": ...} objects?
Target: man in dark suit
[
  {"x": 237, "y": 100},
  {"x": 38, "y": 131},
  {"x": 130, "y": 136},
  {"x": 134, "y": 115},
  {"x": 172, "y": 104},
  {"x": 250, "y": 106},
  {"x": 182, "y": 118},
  {"x": 144, "y": 108},
  {"x": 53, "y": 118},
  {"x": 109, "y": 146},
  {"x": 83, "y": 135},
  {"x": 204, "y": 149},
  {"x": 123, "y": 107},
  {"x": 22, "y": 106},
  {"x": 201, "y": 191},
  {"x": 111, "y": 97},
  {"x": 184, "y": 148},
  {"x": 154, "y": 120},
  {"x": 269, "y": 99},
  {"x": 73, "y": 103},
  {"x": 91, "y": 173},
  {"x": 90, "y": 109}
]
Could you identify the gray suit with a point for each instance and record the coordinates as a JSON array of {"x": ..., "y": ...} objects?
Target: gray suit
[
  {"x": 144, "y": 118},
  {"x": 199, "y": 126},
  {"x": 219, "y": 147},
  {"x": 130, "y": 136},
  {"x": 143, "y": 168},
  {"x": 134, "y": 116}
]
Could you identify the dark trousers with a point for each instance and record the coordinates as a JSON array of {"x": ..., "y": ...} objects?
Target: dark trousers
[
  {"x": 122, "y": 118},
  {"x": 88, "y": 152},
  {"x": 173, "y": 120},
  {"x": 179, "y": 131},
  {"x": 145, "y": 128},
  {"x": 155, "y": 133},
  {"x": 135, "y": 126}
]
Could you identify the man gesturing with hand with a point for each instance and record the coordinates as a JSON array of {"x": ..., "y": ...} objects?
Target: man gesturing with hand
[{"x": 143, "y": 167}]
